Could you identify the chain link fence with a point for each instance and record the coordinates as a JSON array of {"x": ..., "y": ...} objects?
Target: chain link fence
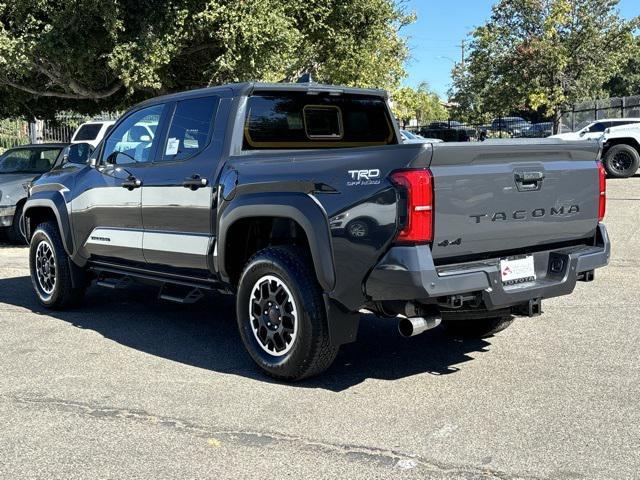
[
  {"x": 501, "y": 127},
  {"x": 572, "y": 119},
  {"x": 580, "y": 114}
]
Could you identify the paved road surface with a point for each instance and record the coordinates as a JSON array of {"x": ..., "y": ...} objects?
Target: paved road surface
[{"x": 130, "y": 387}]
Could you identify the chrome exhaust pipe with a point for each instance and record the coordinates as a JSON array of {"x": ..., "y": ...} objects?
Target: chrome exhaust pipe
[{"x": 412, "y": 326}]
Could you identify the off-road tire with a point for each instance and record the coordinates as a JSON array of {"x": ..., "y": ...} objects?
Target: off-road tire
[
  {"x": 14, "y": 235},
  {"x": 476, "y": 328},
  {"x": 618, "y": 169},
  {"x": 311, "y": 351},
  {"x": 63, "y": 294}
]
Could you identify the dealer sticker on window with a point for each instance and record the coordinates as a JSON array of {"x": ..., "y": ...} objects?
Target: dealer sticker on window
[
  {"x": 173, "y": 144},
  {"x": 517, "y": 270}
]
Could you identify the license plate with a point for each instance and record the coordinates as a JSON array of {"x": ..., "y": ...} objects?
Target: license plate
[{"x": 517, "y": 270}]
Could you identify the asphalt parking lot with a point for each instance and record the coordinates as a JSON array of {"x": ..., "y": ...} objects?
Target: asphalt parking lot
[{"x": 131, "y": 387}]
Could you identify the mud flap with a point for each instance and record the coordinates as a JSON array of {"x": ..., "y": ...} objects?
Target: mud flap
[
  {"x": 343, "y": 325},
  {"x": 78, "y": 275}
]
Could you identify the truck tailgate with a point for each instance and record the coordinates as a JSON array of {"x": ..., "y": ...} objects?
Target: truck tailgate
[{"x": 509, "y": 196}]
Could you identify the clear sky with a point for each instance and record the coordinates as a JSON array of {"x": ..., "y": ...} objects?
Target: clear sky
[{"x": 434, "y": 40}]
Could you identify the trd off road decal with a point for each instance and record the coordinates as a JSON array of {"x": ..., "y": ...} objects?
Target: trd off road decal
[{"x": 363, "y": 177}]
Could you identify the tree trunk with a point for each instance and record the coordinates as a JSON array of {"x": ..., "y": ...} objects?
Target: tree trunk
[{"x": 557, "y": 119}]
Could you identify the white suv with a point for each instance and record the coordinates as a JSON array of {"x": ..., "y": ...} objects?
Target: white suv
[
  {"x": 92, "y": 132},
  {"x": 594, "y": 130}
]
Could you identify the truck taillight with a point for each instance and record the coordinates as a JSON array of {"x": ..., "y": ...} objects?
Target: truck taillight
[
  {"x": 417, "y": 185},
  {"x": 602, "y": 205}
]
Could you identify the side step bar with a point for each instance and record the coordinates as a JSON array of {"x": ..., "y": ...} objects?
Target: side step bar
[
  {"x": 114, "y": 283},
  {"x": 172, "y": 286},
  {"x": 191, "y": 296}
]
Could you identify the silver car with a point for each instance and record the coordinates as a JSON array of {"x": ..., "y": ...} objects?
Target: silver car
[
  {"x": 409, "y": 137},
  {"x": 18, "y": 167}
]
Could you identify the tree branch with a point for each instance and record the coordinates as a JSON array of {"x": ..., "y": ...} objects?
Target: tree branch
[{"x": 81, "y": 93}]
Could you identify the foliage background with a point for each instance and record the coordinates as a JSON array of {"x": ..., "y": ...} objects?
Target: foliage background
[
  {"x": 537, "y": 55},
  {"x": 92, "y": 55},
  {"x": 530, "y": 58}
]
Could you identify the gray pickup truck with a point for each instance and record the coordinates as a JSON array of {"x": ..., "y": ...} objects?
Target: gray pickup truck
[{"x": 301, "y": 200}]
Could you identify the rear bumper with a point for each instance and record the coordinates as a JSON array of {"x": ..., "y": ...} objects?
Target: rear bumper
[{"x": 409, "y": 273}]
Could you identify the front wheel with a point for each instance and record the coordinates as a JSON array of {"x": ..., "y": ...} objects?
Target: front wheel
[
  {"x": 622, "y": 161},
  {"x": 51, "y": 270},
  {"x": 476, "y": 328},
  {"x": 281, "y": 315}
]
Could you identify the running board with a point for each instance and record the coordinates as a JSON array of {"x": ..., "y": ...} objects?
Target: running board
[{"x": 145, "y": 275}]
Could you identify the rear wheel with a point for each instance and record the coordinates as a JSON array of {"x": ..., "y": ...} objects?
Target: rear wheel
[
  {"x": 476, "y": 328},
  {"x": 281, "y": 315},
  {"x": 622, "y": 161},
  {"x": 51, "y": 269}
]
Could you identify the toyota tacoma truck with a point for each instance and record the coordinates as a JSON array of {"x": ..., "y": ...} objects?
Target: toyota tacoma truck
[{"x": 301, "y": 200}]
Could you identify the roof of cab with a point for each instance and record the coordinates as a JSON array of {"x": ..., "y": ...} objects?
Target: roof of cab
[
  {"x": 93, "y": 122},
  {"x": 45, "y": 145},
  {"x": 247, "y": 88}
]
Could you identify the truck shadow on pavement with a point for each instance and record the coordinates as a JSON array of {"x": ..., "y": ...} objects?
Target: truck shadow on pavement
[{"x": 205, "y": 335}]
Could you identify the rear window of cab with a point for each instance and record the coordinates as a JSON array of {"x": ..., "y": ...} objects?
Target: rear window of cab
[{"x": 297, "y": 120}]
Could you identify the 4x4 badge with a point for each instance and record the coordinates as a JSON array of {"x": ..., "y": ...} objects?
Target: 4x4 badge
[{"x": 446, "y": 243}]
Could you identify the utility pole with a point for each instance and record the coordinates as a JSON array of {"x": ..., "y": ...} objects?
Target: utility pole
[
  {"x": 462, "y": 45},
  {"x": 36, "y": 131}
]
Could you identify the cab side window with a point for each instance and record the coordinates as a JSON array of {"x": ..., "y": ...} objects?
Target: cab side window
[
  {"x": 190, "y": 127},
  {"x": 134, "y": 140},
  {"x": 598, "y": 127},
  {"x": 623, "y": 122}
]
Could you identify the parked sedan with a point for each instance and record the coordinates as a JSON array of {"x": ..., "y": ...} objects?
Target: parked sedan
[
  {"x": 18, "y": 167},
  {"x": 450, "y": 131},
  {"x": 513, "y": 126},
  {"x": 538, "y": 130}
]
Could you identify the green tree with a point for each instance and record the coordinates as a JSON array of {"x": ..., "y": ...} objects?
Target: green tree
[
  {"x": 420, "y": 104},
  {"x": 90, "y": 55},
  {"x": 627, "y": 82},
  {"x": 539, "y": 55}
]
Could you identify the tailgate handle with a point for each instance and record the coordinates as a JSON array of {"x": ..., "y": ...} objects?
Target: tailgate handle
[{"x": 529, "y": 181}]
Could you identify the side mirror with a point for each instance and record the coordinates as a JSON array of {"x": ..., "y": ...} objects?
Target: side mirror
[
  {"x": 120, "y": 158},
  {"x": 77, "y": 153},
  {"x": 582, "y": 133}
]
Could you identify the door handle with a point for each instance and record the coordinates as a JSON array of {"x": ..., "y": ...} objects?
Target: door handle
[
  {"x": 131, "y": 183},
  {"x": 528, "y": 181},
  {"x": 195, "y": 182}
]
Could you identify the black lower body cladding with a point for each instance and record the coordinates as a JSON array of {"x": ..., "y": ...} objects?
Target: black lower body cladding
[{"x": 409, "y": 273}]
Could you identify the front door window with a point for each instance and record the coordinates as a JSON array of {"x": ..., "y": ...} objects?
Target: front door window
[{"x": 135, "y": 139}]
